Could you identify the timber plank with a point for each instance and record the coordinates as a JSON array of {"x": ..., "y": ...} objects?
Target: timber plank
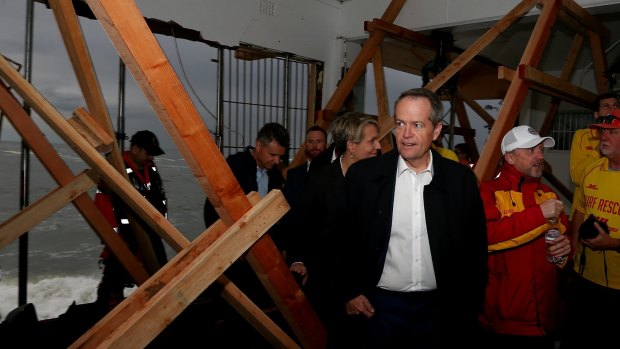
[
  {"x": 44, "y": 207},
  {"x": 554, "y": 86},
  {"x": 600, "y": 63},
  {"x": 381, "y": 94}
]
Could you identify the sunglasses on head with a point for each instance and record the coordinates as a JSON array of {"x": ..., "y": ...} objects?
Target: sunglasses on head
[{"x": 606, "y": 119}]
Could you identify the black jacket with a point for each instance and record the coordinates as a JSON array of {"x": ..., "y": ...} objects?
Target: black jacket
[{"x": 456, "y": 228}]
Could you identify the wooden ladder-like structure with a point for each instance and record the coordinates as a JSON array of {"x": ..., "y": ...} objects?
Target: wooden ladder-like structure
[
  {"x": 162, "y": 295},
  {"x": 517, "y": 81}
]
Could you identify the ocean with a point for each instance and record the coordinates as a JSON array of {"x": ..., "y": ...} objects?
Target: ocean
[{"x": 63, "y": 258}]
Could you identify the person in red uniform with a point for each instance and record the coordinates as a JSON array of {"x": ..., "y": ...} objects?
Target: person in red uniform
[
  {"x": 145, "y": 178},
  {"x": 521, "y": 303}
]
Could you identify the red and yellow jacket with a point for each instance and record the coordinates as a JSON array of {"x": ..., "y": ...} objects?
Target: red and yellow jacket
[{"x": 521, "y": 294}]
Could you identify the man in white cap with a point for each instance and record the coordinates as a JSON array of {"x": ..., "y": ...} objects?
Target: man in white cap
[{"x": 521, "y": 304}]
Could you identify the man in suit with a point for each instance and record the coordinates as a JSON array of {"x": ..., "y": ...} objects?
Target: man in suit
[
  {"x": 415, "y": 251},
  {"x": 314, "y": 145},
  {"x": 256, "y": 169}
]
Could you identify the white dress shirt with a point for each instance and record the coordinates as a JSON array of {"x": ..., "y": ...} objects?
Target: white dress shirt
[{"x": 408, "y": 264}]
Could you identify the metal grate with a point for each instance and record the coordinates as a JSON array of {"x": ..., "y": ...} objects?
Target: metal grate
[
  {"x": 565, "y": 124},
  {"x": 260, "y": 91}
]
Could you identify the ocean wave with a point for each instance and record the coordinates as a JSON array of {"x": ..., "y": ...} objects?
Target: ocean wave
[{"x": 51, "y": 297}]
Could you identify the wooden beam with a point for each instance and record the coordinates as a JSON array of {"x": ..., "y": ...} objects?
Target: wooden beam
[
  {"x": 364, "y": 56},
  {"x": 155, "y": 304},
  {"x": 91, "y": 131},
  {"x": 382, "y": 102},
  {"x": 487, "y": 164},
  {"x": 463, "y": 118},
  {"x": 144, "y": 58},
  {"x": 62, "y": 174},
  {"x": 585, "y": 18},
  {"x": 600, "y": 62},
  {"x": 551, "y": 85},
  {"x": 44, "y": 207},
  {"x": 72, "y": 35},
  {"x": 400, "y": 33},
  {"x": 476, "y": 107},
  {"x": 567, "y": 73},
  {"x": 474, "y": 49}
]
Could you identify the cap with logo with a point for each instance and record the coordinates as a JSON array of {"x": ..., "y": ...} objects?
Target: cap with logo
[
  {"x": 147, "y": 140},
  {"x": 524, "y": 137}
]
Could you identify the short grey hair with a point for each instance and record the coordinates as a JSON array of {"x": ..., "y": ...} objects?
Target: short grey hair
[{"x": 436, "y": 105}]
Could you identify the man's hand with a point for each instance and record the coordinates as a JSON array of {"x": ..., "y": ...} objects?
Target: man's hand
[
  {"x": 552, "y": 208},
  {"x": 360, "y": 305},
  {"x": 602, "y": 241},
  {"x": 560, "y": 247}
]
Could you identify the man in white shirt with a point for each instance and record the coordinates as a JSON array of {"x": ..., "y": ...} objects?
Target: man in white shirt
[{"x": 414, "y": 238}]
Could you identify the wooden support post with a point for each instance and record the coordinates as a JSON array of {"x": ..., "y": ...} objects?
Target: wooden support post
[
  {"x": 382, "y": 102},
  {"x": 487, "y": 164},
  {"x": 553, "y": 86},
  {"x": 600, "y": 64},
  {"x": 476, "y": 107},
  {"x": 461, "y": 114},
  {"x": 63, "y": 175}
]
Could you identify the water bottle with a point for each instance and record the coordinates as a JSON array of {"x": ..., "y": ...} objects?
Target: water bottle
[{"x": 550, "y": 236}]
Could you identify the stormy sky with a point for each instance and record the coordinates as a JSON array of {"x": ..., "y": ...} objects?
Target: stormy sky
[{"x": 53, "y": 76}]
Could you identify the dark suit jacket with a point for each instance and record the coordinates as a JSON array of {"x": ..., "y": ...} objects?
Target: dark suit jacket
[
  {"x": 243, "y": 166},
  {"x": 294, "y": 189},
  {"x": 456, "y": 228},
  {"x": 315, "y": 228}
]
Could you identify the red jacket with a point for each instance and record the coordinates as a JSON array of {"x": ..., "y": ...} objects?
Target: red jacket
[{"x": 521, "y": 294}]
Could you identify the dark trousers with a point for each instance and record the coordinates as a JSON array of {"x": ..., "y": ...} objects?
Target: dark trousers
[
  {"x": 404, "y": 319},
  {"x": 593, "y": 316}
]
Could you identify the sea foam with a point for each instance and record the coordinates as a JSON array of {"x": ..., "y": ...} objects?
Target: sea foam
[{"x": 51, "y": 297}]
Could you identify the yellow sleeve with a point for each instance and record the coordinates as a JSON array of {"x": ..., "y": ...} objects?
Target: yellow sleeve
[
  {"x": 447, "y": 153},
  {"x": 583, "y": 151}
]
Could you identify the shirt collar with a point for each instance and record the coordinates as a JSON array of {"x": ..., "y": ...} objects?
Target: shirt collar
[{"x": 402, "y": 165}]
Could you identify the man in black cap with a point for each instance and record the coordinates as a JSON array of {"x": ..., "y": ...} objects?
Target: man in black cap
[{"x": 144, "y": 176}]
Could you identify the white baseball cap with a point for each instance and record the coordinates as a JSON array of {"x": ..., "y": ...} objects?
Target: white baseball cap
[{"x": 524, "y": 137}]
